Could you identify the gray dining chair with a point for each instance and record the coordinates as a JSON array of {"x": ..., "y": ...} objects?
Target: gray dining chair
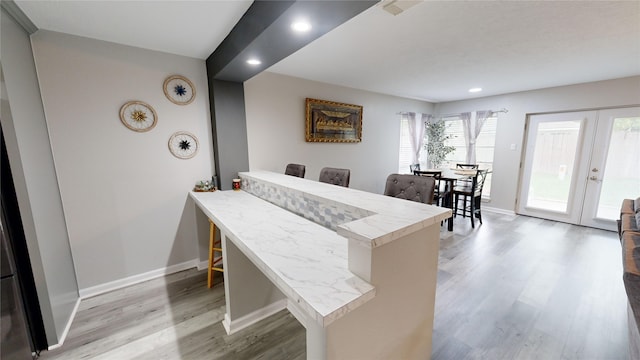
[
  {"x": 335, "y": 176},
  {"x": 295, "y": 170},
  {"x": 441, "y": 190},
  {"x": 410, "y": 187}
]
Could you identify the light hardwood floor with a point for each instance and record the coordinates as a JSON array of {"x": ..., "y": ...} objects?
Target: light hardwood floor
[{"x": 514, "y": 288}]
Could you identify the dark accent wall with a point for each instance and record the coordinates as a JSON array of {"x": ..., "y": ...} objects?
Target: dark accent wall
[
  {"x": 229, "y": 130},
  {"x": 263, "y": 32}
]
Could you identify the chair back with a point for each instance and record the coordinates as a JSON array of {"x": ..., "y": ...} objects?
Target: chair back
[
  {"x": 478, "y": 182},
  {"x": 410, "y": 187},
  {"x": 436, "y": 175},
  {"x": 335, "y": 176},
  {"x": 295, "y": 170},
  {"x": 414, "y": 167},
  {"x": 467, "y": 166}
]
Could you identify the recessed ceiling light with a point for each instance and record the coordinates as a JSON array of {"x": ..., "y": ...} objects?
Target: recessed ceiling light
[
  {"x": 254, "y": 62},
  {"x": 474, "y": 90},
  {"x": 301, "y": 26}
]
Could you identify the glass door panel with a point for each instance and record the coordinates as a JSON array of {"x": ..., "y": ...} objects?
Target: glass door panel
[
  {"x": 614, "y": 171},
  {"x": 622, "y": 176},
  {"x": 551, "y": 185},
  {"x": 552, "y": 168}
]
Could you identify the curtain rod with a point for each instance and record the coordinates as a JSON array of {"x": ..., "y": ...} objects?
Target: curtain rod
[{"x": 503, "y": 110}]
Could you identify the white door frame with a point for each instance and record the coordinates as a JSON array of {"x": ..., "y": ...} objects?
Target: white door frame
[
  {"x": 578, "y": 183},
  {"x": 588, "y": 168}
]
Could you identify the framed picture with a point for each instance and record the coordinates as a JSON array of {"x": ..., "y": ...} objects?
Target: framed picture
[
  {"x": 329, "y": 121},
  {"x": 179, "y": 90}
]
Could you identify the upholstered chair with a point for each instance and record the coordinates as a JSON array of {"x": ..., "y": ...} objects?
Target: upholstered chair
[
  {"x": 440, "y": 192},
  {"x": 295, "y": 170},
  {"x": 335, "y": 176},
  {"x": 410, "y": 187}
]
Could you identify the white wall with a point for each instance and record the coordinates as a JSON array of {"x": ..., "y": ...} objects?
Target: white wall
[
  {"x": 601, "y": 94},
  {"x": 275, "y": 111},
  {"x": 124, "y": 195},
  {"x": 37, "y": 189}
]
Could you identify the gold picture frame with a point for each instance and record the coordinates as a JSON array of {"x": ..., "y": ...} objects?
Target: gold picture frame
[{"x": 330, "y": 121}]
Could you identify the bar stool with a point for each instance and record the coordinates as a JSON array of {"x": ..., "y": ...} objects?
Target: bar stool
[{"x": 214, "y": 247}]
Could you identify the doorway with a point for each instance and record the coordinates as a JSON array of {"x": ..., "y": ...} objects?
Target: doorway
[{"x": 578, "y": 166}]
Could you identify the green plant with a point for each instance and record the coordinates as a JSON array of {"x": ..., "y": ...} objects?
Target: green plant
[{"x": 437, "y": 150}]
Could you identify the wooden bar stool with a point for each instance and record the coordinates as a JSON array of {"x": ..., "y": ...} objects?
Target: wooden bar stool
[{"x": 214, "y": 247}]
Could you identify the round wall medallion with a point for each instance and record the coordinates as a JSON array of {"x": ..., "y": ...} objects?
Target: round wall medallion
[
  {"x": 138, "y": 116},
  {"x": 179, "y": 90},
  {"x": 183, "y": 145}
]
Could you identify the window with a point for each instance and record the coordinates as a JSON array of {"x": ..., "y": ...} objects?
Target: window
[
  {"x": 405, "y": 147},
  {"x": 485, "y": 144}
]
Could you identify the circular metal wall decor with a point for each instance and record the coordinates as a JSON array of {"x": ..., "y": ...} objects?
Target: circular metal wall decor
[
  {"x": 183, "y": 145},
  {"x": 138, "y": 116},
  {"x": 179, "y": 90}
]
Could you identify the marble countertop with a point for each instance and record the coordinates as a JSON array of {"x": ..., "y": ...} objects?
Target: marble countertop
[
  {"x": 392, "y": 218},
  {"x": 306, "y": 261}
]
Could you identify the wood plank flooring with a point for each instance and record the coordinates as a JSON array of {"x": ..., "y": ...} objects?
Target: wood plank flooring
[{"x": 514, "y": 288}]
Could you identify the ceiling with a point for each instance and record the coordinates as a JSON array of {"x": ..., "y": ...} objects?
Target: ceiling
[{"x": 433, "y": 51}]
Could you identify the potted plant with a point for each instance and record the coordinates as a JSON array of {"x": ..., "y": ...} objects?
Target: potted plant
[{"x": 437, "y": 150}]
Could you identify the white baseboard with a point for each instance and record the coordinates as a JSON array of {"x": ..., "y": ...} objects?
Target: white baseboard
[
  {"x": 498, "y": 211},
  {"x": 232, "y": 327},
  {"x": 67, "y": 327},
  {"x": 202, "y": 265},
  {"x": 135, "y": 279}
]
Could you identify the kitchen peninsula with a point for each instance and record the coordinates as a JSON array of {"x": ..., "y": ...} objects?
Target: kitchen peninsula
[{"x": 357, "y": 269}]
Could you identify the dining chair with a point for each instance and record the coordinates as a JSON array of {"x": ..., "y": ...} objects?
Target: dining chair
[
  {"x": 410, "y": 187},
  {"x": 471, "y": 197},
  {"x": 440, "y": 189},
  {"x": 414, "y": 167},
  {"x": 295, "y": 170},
  {"x": 467, "y": 166},
  {"x": 467, "y": 181},
  {"x": 335, "y": 176}
]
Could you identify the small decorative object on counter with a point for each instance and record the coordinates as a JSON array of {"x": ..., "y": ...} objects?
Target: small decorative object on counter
[
  {"x": 236, "y": 184},
  {"x": 204, "y": 186}
]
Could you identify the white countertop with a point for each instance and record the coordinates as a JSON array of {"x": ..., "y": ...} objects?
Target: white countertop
[
  {"x": 393, "y": 218},
  {"x": 306, "y": 261}
]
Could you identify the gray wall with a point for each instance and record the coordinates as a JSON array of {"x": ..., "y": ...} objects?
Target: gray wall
[
  {"x": 506, "y": 164},
  {"x": 275, "y": 127},
  {"x": 125, "y": 195},
  {"x": 276, "y": 120},
  {"x": 36, "y": 182}
]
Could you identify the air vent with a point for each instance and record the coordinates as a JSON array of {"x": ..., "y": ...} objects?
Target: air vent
[{"x": 395, "y": 7}]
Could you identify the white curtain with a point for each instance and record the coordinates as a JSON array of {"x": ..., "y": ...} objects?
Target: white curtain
[
  {"x": 473, "y": 123},
  {"x": 416, "y": 123}
]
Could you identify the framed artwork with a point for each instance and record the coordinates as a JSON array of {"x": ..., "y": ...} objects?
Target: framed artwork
[
  {"x": 179, "y": 90},
  {"x": 329, "y": 121},
  {"x": 138, "y": 116},
  {"x": 183, "y": 145}
]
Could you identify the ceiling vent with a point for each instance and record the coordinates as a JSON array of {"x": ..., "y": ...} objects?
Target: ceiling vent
[{"x": 395, "y": 7}]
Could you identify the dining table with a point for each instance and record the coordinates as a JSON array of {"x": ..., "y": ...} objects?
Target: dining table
[{"x": 450, "y": 176}]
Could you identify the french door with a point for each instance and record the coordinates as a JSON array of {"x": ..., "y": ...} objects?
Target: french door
[{"x": 578, "y": 166}]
